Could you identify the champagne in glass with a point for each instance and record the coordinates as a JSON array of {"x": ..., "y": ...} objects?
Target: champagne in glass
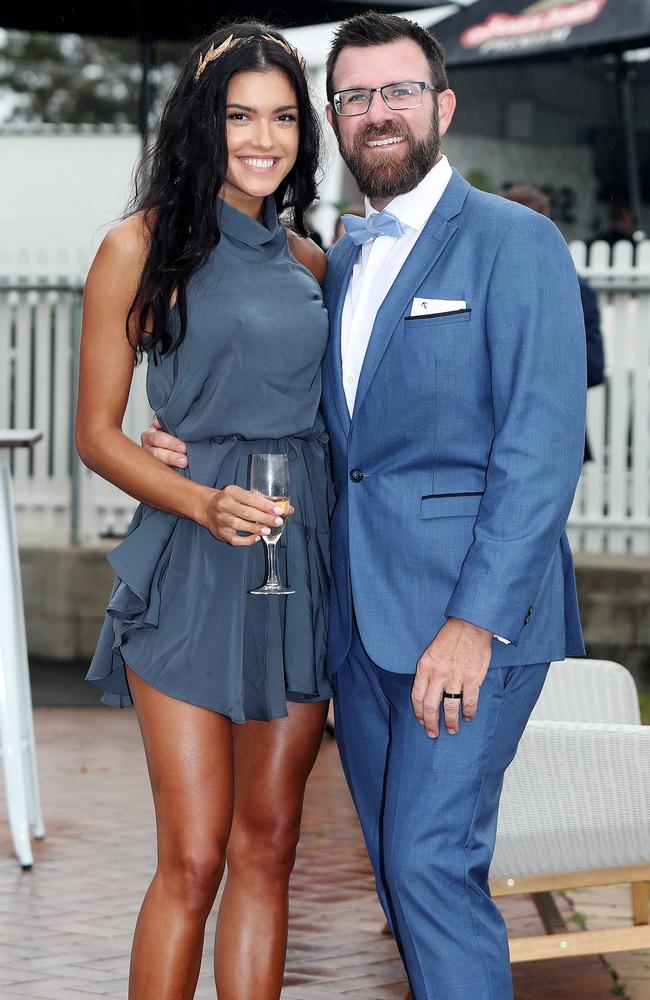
[
  {"x": 269, "y": 475},
  {"x": 277, "y": 530}
]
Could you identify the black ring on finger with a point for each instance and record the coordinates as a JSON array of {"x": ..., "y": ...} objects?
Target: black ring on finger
[{"x": 455, "y": 697}]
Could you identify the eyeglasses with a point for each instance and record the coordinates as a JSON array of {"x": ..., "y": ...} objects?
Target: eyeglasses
[{"x": 397, "y": 96}]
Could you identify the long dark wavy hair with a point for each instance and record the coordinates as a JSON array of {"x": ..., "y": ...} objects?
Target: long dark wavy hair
[{"x": 178, "y": 179}]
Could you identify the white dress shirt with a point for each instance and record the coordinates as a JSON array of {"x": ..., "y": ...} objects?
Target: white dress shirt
[{"x": 377, "y": 267}]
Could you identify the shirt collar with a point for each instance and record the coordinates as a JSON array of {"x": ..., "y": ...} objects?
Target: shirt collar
[{"x": 414, "y": 208}]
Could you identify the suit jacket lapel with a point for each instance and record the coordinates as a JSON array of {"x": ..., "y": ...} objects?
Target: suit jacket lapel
[
  {"x": 439, "y": 228},
  {"x": 338, "y": 281}
]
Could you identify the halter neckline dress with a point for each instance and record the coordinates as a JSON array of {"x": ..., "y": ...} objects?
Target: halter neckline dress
[{"x": 245, "y": 380}]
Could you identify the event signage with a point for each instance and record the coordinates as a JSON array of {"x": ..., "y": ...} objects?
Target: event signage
[
  {"x": 539, "y": 24},
  {"x": 500, "y": 30}
]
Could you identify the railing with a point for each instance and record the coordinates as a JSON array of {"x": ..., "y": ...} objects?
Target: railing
[{"x": 59, "y": 501}]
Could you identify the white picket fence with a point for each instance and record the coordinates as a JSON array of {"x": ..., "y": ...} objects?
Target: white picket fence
[
  {"x": 57, "y": 499},
  {"x": 60, "y": 501},
  {"x": 611, "y": 512}
]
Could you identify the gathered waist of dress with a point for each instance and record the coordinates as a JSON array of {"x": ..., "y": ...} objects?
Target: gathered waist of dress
[
  {"x": 274, "y": 443},
  {"x": 291, "y": 445},
  {"x": 219, "y": 461}
]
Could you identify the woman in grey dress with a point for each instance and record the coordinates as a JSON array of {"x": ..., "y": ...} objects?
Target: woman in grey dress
[{"x": 230, "y": 689}]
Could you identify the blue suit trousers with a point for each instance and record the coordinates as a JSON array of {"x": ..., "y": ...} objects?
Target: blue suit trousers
[{"x": 428, "y": 809}]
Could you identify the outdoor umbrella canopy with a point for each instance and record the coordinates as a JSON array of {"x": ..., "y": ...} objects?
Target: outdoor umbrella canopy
[
  {"x": 184, "y": 19},
  {"x": 498, "y": 30}
]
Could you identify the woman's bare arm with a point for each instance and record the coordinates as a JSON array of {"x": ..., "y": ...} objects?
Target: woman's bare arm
[{"x": 106, "y": 369}]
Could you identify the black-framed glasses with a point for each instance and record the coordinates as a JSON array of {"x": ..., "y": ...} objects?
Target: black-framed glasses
[{"x": 397, "y": 96}]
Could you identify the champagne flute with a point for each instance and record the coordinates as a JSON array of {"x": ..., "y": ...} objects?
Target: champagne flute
[{"x": 269, "y": 474}]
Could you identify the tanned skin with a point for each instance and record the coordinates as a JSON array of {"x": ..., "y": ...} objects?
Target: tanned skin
[{"x": 222, "y": 792}]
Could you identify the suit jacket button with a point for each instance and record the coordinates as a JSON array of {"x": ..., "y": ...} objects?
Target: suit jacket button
[{"x": 356, "y": 475}]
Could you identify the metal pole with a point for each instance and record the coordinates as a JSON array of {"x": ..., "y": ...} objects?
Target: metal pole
[
  {"x": 624, "y": 77},
  {"x": 16, "y": 725}
]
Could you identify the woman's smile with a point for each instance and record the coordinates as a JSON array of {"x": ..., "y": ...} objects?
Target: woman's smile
[{"x": 259, "y": 164}]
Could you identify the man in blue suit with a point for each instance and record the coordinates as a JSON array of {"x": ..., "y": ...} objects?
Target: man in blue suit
[{"x": 454, "y": 394}]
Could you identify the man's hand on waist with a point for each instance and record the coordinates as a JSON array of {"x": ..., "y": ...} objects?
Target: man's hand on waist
[
  {"x": 164, "y": 447},
  {"x": 455, "y": 663}
]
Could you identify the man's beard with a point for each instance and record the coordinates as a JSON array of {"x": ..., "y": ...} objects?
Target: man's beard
[{"x": 380, "y": 177}]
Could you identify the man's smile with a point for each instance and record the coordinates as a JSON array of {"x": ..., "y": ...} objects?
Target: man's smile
[{"x": 388, "y": 141}]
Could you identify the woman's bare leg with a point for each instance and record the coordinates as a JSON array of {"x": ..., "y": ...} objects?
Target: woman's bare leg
[
  {"x": 189, "y": 754},
  {"x": 272, "y": 763}
]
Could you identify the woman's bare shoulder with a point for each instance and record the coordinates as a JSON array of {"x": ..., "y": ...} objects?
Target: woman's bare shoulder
[
  {"x": 118, "y": 264},
  {"x": 309, "y": 254},
  {"x": 129, "y": 240},
  {"x": 122, "y": 255}
]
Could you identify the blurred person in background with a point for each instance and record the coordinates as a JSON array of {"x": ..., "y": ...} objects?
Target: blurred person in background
[
  {"x": 230, "y": 689},
  {"x": 536, "y": 200},
  {"x": 621, "y": 224}
]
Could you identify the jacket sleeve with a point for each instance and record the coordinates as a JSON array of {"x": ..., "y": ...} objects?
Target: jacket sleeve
[
  {"x": 595, "y": 351},
  {"x": 536, "y": 344}
]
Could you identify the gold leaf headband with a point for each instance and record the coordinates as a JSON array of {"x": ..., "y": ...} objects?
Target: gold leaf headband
[{"x": 231, "y": 42}]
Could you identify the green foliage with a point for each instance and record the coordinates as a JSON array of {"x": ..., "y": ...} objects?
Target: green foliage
[
  {"x": 480, "y": 179},
  {"x": 644, "y": 699},
  {"x": 69, "y": 79},
  {"x": 579, "y": 919}
]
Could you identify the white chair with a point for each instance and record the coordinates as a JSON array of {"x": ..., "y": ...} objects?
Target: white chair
[
  {"x": 16, "y": 724},
  {"x": 588, "y": 691},
  {"x": 575, "y": 809}
]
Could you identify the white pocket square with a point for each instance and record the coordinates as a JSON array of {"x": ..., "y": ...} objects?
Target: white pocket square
[{"x": 433, "y": 307}]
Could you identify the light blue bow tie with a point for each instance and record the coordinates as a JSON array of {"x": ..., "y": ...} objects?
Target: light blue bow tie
[{"x": 362, "y": 230}]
